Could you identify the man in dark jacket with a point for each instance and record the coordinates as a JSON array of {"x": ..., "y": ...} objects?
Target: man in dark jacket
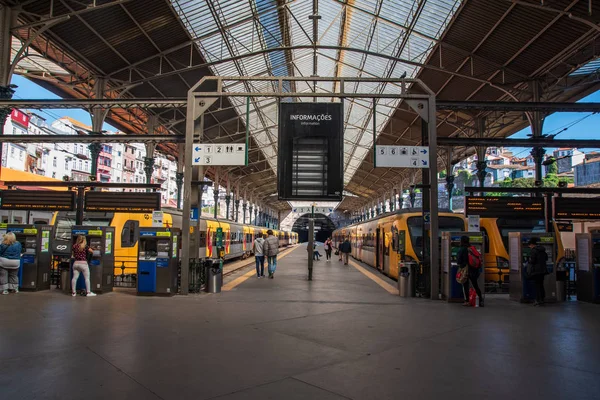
[
  {"x": 537, "y": 269},
  {"x": 345, "y": 249}
]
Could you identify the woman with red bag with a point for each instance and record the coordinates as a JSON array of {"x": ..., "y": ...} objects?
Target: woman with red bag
[{"x": 469, "y": 257}]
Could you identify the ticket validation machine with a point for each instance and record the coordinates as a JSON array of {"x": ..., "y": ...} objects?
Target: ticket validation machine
[
  {"x": 158, "y": 258},
  {"x": 521, "y": 288},
  {"x": 36, "y": 258},
  {"x": 588, "y": 267},
  {"x": 452, "y": 291},
  {"x": 101, "y": 239}
]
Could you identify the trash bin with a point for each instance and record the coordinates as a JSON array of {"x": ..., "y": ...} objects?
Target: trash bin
[
  {"x": 65, "y": 280},
  {"x": 561, "y": 285},
  {"x": 403, "y": 282},
  {"x": 214, "y": 276}
]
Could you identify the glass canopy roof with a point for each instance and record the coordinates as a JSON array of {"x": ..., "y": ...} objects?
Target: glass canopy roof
[{"x": 404, "y": 29}]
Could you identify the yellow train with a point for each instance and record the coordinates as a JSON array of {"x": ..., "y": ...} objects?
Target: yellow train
[
  {"x": 496, "y": 232},
  {"x": 238, "y": 237},
  {"x": 379, "y": 241}
]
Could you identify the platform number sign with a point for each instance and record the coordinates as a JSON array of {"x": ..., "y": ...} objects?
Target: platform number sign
[
  {"x": 402, "y": 156},
  {"x": 219, "y": 154}
]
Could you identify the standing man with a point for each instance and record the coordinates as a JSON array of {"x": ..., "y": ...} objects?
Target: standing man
[
  {"x": 270, "y": 250},
  {"x": 345, "y": 249},
  {"x": 537, "y": 269},
  {"x": 257, "y": 248}
]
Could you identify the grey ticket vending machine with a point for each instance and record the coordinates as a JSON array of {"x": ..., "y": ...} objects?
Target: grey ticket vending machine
[
  {"x": 36, "y": 261},
  {"x": 101, "y": 240},
  {"x": 158, "y": 259},
  {"x": 588, "y": 267},
  {"x": 452, "y": 291},
  {"x": 521, "y": 288}
]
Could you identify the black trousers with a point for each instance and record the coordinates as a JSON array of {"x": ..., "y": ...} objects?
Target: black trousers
[
  {"x": 473, "y": 275},
  {"x": 328, "y": 253},
  {"x": 540, "y": 292}
]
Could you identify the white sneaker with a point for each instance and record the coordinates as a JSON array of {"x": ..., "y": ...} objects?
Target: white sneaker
[
  {"x": 5, "y": 292},
  {"x": 91, "y": 294},
  {"x": 74, "y": 294}
]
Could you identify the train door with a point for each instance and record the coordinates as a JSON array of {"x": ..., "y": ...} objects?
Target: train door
[
  {"x": 378, "y": 253},
  {"x": 380, "y": 250}
]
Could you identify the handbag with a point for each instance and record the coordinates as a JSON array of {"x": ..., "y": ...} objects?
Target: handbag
[
  {"x": 337, "y": 252},
  {"x": 462, "y": 275},
  {"x": 472, "y": 297}
]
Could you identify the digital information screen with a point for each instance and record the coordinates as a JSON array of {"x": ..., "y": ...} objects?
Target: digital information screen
[
  {"x": 122, "y": 202},
  {"x": 310, "y": 162},
  {"x": 505, "y": 207},
  {"x": 576, "y": 208},
  {"x": 37, "y": 200}
]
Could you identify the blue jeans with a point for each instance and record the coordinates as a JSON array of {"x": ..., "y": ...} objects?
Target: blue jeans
[
  {"x": 272, "y": 262},
  {"x": 260, "y": 261}
]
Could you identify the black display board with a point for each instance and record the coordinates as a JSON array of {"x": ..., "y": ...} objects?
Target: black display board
[
  {"x": 576, "y": 208},
  {"x": 310, "y": 163},
  {"x": 37, "y": 200},
  {"x": 122, "y": 202},
  {"x": 505, "y": 207}
]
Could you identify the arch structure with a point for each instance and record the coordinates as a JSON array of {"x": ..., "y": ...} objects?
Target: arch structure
[{"x": 324, "y": 226}]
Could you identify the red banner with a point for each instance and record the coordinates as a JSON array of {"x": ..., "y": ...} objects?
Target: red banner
[{"x": 19, "y": 117}]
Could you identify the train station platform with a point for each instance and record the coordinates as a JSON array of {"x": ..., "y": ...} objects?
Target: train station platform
[{"x": 343, "y": 335}]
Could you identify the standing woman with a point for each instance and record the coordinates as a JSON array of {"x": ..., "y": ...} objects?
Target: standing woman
[
  {"x": 10, "y": 261},
  {"x": 80, "y": 252},
  {"x": 462, "y": 259},
  {"x": 328, "y": 247}
]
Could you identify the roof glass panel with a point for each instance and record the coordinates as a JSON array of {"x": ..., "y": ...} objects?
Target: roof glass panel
[{"x": 405, "y": 28}]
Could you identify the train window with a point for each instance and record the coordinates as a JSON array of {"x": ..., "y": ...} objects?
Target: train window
[
  {"x": 130, "y": 233},
  {"x": 486, "y": 239},
  {"x": 202, "y": 239}
]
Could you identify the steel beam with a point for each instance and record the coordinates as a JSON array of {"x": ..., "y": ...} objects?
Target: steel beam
[
  {"x": 93, "y": 103},
  {"x": 107, "y": 185},
  {"x": 176, "y": 102},
  {"x": 526, "y": 143},
  {"x": 509, "y": 106},
  {"x": 92, "y": 138}
]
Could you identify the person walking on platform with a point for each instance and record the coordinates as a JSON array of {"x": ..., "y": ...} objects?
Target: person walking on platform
[
  {"x": 270, "y": 250},
  {"x": 80, "y": 252},
  {"x": 469, "y": 257},
  {"x": 10, "y": 261},
  {"x": 345, "y": 249},
  {"x": 328, "y": 248},
  {"x": 537, "y": 269},
  {"x": 257, "y": 248},
  {"x": 316, "y": 254}
]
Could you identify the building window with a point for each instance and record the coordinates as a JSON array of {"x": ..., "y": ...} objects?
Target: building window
[
  {"x": 136, "y": 179},
  {"x": 12, "y": 151},
  {"x": 118, "y": 165},
  {"x": 87, "y": 165},
  {"x": 118, "y": 179},
  {"x": 54, "y": 162},
  {"x": 21, "y": 155},
  {"x": 66, "y": 164},
  {"x": 80, "y": 165}
]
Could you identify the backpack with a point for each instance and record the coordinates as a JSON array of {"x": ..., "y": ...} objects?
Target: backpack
[{"x": 474, "y": 258}]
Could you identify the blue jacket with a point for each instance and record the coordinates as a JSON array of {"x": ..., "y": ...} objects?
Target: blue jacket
[{"x": 12, "y": 252}]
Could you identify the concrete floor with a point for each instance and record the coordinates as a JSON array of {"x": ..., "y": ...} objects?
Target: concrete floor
[{"x": 339, "y": 336}]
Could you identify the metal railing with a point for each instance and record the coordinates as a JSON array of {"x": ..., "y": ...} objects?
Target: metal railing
[{"x": 197, "y": 277}]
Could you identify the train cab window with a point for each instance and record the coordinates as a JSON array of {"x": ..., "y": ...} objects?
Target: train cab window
[
  {"x": 486, "y": 239},
  {"x": 130, "y": 233},
  {"x": 202, "y": 239}
]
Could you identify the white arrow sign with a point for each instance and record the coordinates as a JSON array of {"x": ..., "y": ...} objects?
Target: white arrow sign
[{"x": 219, "y": 154}]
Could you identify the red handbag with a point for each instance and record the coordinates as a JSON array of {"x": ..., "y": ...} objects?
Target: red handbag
[{"x": 472, "y": 297}]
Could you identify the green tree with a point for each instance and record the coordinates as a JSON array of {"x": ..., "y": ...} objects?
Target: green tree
[
  {"x": 552, "y": 169},
  {"x": 551, "y": 180},
  {"x": 524, "y": 183}
]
